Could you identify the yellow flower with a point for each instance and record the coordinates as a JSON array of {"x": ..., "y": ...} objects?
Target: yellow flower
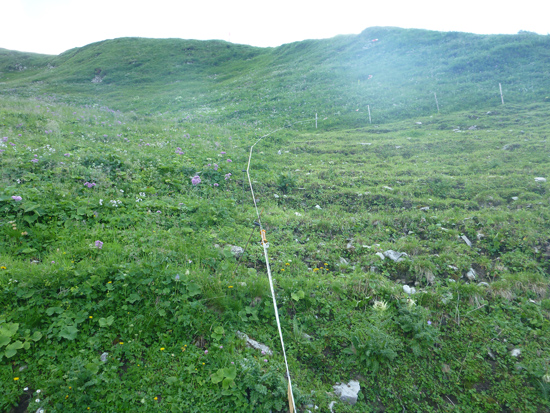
[
  {"x": 230, "y": 286},
  {"x": 162, "y": 349},
  {"x": 282, "y": 269},
  {"x": 203, "y": 364},
  {"x": 326, "y": 263},
  {"x": 156, "y": 398},
  {"x": 287, "y": 263},
  {"x": 67, "y": 396},
  {"x": 16, "y": 378},
  {"x": 121, "y": 342},
  {"x": 90, "y": 317},
  {"x": 110, "y": 282},
  {"x": 3, "y": 268},
  {"x": 316, "y": 269}
]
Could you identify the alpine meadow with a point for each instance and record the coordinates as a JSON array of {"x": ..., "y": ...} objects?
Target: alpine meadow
[{"x": 400, "y": 197}]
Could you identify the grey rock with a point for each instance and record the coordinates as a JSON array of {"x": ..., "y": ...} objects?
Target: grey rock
[
  {"x": 395, "y": 256},
  {"x": 483, "y": 284},
  {"x": 515, "y": 198},
  {"x": 348, "y": 392},
  {"x": 539, "y": 179},
  {"x": 103, "y": 357},
  {"x": 382, "y": 256},
  {"x": 343, "y": 261},
  {"x": 331, "y": 405},
  {"x": 253, "y": 343},
  {"x": 466, "y": 240},
  {"x": 515, "y": 352},
  {"x": 426, "y": 208},
  {"x": 409, "y": 290},
  {"x": 237, "y": 251},
  {"x": 430, "y": 277},
  {"x": 511, "y": 147},
  {"x": 471, "y": 275}
]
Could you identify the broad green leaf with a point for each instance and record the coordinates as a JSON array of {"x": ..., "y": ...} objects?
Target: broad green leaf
[
  {"x": 13, "y": 347},
  {"x": 9, "y": 329},
  {"x": 230, "y": 372},
  {"x": 69, "y": 332},
  {"x": 217, "y": 376},
  {"x": 227, "y": 382},
  {"x": 193, "y": 289},
  {"x": 133, "y": 298},
  {"x": 51, "y": 310},
  {"x": 105, "y": 322},
  {"x": 92, "y": 368},
  {"x": 171, "y": 380}
]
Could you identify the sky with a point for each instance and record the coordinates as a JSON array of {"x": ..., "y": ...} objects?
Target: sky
[{"x": 54, "y": 26}]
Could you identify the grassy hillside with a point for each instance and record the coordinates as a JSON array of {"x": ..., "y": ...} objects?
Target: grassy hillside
[
  {"x": 118, "y": 287},
  {"x": 396, "y": 75}
]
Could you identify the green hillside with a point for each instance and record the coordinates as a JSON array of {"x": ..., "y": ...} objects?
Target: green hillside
[
  {"x": 396, "y": 75},
  {"x": 122, "y": 203}
]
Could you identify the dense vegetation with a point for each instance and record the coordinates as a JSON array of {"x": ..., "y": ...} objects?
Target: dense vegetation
[{"x": 118, "y": 287}]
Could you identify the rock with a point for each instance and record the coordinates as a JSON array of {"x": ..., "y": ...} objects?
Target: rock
[
  {"x": 389, "y": 188},
  {"x": 425, "y": 208},
  {"x": 103, "y": 357},
  {"x": 418, "y": 123},
  {"x": 350, "y": 246},
  {"x": 453, "y": 267},
  {"x": 348, "y": 392},
  {"x": 466, "y": 240},
  {"x": 395, "y": 256},
  {"x": 237, "y": 251},
  {"x": 317, "y": 206},
  {"x": 511, "y": 147},
  {"x": 515, "y": 198},
  {"x": 471, "y": 275},
  {"x": 382, "y": 256},
  {"x": 539, "y": 179},
  {"x": 483, "y": 284},
  {"x": 343, "y": 261},
  {"x": 409, "y": 290},
  {"x": 276, "y": 196},
  {"x": 398, "y": 147},
  {"x": 297, "y": 214},
  {"x": 365, "y": 143},
  {"x": 97, "y": 79},
  {"x": 430, "y": 277},
  {"x": 515, "y": 352},
  {"x": 253, "y": 343},
  {"x": 279, "y": 152},
  {"x": 331, "y": 405},
  {"x": 474, "y": 127}
]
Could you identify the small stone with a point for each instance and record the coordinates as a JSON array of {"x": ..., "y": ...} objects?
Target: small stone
[
  {"x": 297, "y": 214},
  {"x": 317, "y": 207},
  {"x": 276, "y": 196},
  {"x": 515, "y": 352},
  {"x": 418, "y": 123},
  {"x": 539, "y": 179},
  {"x": 348, "y": 392},
  {"x": 409, "y": 290},
  {"x": 382, "y": 256},
  {"x": 471, "y": 275},
  {"x": 343, "y": 261},
  {"x": 425, "y": 208},
  {"x": 253, "y": 343},
  {"x": 389, "y": 188},
  {"x": 237, "y": 251},
  {"x": 395, "y": 256},
  {"x": 515, "y": 198},
  {"x": 483, "y": 284},
  {"x": 103, "y": 357},
  {"x": 466, "y": 240}
]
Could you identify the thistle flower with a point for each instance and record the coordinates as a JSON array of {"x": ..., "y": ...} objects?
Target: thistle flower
[
  {"x": 380, "y": 306},
  {"x": 99, "y": 244},
  {"x": 196, "y": 180}
]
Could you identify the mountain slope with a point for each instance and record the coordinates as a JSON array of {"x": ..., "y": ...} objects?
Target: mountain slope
[{"x": 394, "y": 71}]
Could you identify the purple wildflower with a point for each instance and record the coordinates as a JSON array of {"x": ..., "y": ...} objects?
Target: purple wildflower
[
  {"x": 67, "y": 154},
  {"x": 177, "y": 277},
  {"x": 265, "y": 360},
  {"x": 196, "y": 180},
  {"x": 34, "y": 160},
  {"x": 216, "y": 184},
  {"x": 12, "y": 144},
  {"x": 205, "y": 351},
  {"x": 227, "y": 176},
  {"x": 223, "y": 153},
  {"x": 229, "y": 160},
  {"x": 158, "y": 212},
  {"x": 16, "y": 198},
  {"x": 99, "y": 244},
  {"x": 5, "y": 139},
  {"x": 221, "y": 346},
  {"x": 216, "y": 166},
  {"x": 429, "y": 323}
]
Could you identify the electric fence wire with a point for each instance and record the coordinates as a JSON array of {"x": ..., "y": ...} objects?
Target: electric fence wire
[{"x": 265, "y": 246}]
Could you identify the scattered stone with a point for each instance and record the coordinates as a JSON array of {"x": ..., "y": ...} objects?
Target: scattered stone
[
  {"x": 365, "y": 143},
  {"x": 279, "y": 152},
  {"x": 409, "y": 290},
  {"x": 103, "y": 357},
  {"x": 382, "y": 256},
  {"x": 237, "y": 251},
  {"x": 398, "y": 147},
  {"x": 395, "y": 256},
  {"x": 253, "y": 343},
  {"x": 317, "y": 207},
  {"x": 515, "y": 352},
  {"x": 276, "y": 196},
  {"x": 480, "y": 235},
  {"x": 348, "y": 392},
  {"x": 343, "y": 261},
  {"x": 466, "y": 240},
  {"x": 471, "y": 275},
  {"x": 418, "y": 123},
  {"x": 331, "y": 405},
  {"x": 515, "y": 198},
  {"x": 425, "y": 208},
  {"x": 97, "y": 79},
  {"x": 452, "y": 267},
  {"x": 511, "y": 147},
  {"x": 389, "y": 188},
  {"x": 474, "y": 127},
  {"x": 350, "y": 246},
  {"x": 298, "y": 214},
  {"x": 430, "y": 277},
  {"x": 483, "y": 284},
  {"x": 539, "y": 179}
]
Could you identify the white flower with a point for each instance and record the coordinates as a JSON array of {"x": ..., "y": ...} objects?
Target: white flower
[
  {"x": 122, "y": 190},
  {"x": 101, "y": 202},
  {"x": 25, "y": 389},
  {"x": 37, "y": 401},
  {"x": 142, "y": 194},
  {"x": 546, "y": 378},
  {"x": 410, "y": 303},
  {"x": 380, "y": 306},
  {"x": 38, "y": 391}
]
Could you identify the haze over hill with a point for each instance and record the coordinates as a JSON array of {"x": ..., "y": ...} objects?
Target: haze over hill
[{"x": 394, "y": 71}]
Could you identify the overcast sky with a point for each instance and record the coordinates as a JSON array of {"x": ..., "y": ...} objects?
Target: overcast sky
[{"x": 53, "y": 26}]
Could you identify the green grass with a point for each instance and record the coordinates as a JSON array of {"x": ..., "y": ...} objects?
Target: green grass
[{"x": 163, "y": 288}]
